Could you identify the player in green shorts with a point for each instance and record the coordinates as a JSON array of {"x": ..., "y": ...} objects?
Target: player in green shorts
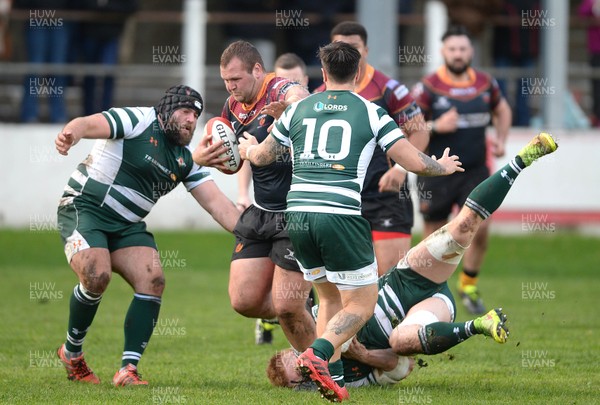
[
  {"x": 140, "y": 154},
  {"x": 332, "y": 136},
  {"x": 415, "y": 309}
]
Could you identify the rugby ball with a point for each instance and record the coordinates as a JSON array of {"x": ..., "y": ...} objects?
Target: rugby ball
[{"x": 220, "y": 128}]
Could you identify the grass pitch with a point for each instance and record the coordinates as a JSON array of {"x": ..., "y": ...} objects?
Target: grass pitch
[{"x": 204, "y": 353}]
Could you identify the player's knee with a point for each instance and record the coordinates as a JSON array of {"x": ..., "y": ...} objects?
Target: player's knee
[
  {"x": 244, "y": 306},
  {"x": 291, "y": 303},
  {"x": 93, "y": 279},
  {"x": 402, "y": 340},
  {"x": 157, "y": 285}
]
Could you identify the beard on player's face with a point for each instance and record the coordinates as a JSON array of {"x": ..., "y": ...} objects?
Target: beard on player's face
[
  {"x": 179, "y": 131},
  {"x": 458, "y": 66}
]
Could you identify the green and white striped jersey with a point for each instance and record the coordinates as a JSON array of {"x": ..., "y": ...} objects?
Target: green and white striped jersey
[
  {"x": 332, "y": 136},
  {"x": 127, "y": 174}
]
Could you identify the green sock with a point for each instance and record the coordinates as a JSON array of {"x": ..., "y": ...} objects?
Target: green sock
[
  {"x": 336, "y": 369},
  {"x": 82, "y": 309},
  {"x": 438, "y": 337},
  {"x": 323, "y": 349},
  {"x": 489, "y": 194},
  {"x": 139, "y": 324}
]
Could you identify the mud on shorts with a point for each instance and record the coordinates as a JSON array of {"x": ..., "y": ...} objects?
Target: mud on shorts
[
  {"x": 260, "y": 233},
  {"x": 83, "y": 225}
]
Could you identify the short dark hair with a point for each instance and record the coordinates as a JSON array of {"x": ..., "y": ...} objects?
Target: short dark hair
[
  {"x": 289, "y": 61},
  {"x": 456, "y": 31},
  {"x": 347, "y": 28},
  {"x": 340, "y": 60},
  {"x": 244, "y": 51}
]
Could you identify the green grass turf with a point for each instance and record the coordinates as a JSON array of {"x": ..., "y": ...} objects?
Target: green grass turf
[{"x": 204, "y": 353}]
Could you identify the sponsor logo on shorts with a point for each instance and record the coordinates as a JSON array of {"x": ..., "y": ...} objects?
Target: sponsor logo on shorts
[
  {"x": 338, "y": 167},
  {"x": 354, "y": 276},
  {"x": 387, "y": 222},
  {"x": 239, "y": 247},
  {"x": 73, "y": 246}
]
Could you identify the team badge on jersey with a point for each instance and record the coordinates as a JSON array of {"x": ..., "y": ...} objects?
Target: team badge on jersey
[
  {"x": 442, "y": 103},
  {"x": 181, "y": 162}
]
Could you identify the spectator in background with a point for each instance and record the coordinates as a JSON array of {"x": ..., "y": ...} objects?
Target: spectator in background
[
  {"x": 47, "y": 41},
  {"x": 591, "y": 8},
  {"x": 99, "y": 44},
  {"x": 5, "y": 43},
  {"x": 305, "y": 40},
  {"x": 517, "y": 46},
  {"x": 475, "y": 16}
]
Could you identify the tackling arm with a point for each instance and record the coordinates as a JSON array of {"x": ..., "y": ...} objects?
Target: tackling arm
[
  {"x": 90, "y": 127},
  {"x": 212, "y": 199},
  {"x": 244, "y": 177}
]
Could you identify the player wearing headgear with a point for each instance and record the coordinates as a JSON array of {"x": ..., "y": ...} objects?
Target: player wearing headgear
[{"x": 140, "y": 154}]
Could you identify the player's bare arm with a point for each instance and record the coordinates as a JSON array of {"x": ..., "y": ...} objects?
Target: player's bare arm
[
  {"x": 502, "y": 118},
  {"x": 383, "y": 359},
  {"x": 393, "y": 179},
  {"x": 447, "y": 122},
  {"x": 244, "y": 177},
  {"x": 259, "y": 154},
  {"x": 91, "y": 127},
  {"x": 276, "y": 108},
  {"x": 216, "y": 204},
  {"x": 417, "y": 162}
]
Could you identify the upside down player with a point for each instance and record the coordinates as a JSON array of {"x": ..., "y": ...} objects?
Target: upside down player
[
  {"x": 415, "y": 308},
  {"x": 390, "y": 215},
  {"x": 265, "y": 280}
]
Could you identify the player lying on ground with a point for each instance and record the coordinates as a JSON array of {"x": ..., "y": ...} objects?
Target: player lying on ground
[{"x": 415, "y": 308}]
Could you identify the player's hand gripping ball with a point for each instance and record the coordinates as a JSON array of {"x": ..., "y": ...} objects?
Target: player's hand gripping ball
[{"x": 220, "y": 128}]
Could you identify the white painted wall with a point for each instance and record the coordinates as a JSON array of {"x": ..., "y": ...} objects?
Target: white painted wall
[{"x": 33, "y": 176}]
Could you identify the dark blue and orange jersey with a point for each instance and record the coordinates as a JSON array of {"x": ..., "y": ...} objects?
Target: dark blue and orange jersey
[
  {"x": 474, "y": 100},
  {"x": 271, "y": 182},
  {"x": 395, "y": 98}
]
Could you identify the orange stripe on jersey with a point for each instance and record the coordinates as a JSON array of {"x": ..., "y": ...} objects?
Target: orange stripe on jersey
[
  {"x": 370, "y": 70},
  {"x": 444, "y": 76},
  {"x": 261, "y": 93},
  {"x": 440, "y": 83}
]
